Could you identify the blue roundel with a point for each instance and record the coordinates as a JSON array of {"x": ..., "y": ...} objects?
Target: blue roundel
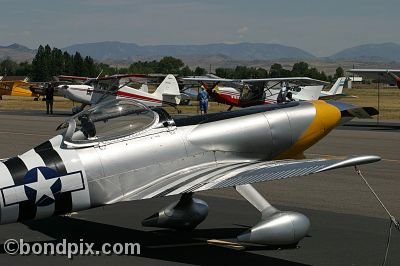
[{"x": 32, "y": 177}]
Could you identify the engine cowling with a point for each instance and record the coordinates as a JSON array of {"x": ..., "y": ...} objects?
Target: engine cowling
[
  {"x": 184, "y": 214},
  {"x": 279, "y": 229}
]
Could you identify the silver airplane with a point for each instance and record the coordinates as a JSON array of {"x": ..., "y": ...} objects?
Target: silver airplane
[{"x": 121, "y": 150}]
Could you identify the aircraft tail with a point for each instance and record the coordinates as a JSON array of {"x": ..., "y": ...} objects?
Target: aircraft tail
[
  {"x": 337, "y": 88},
  {"x": 168, "y": 90},
  {"x": 308, "y": 93}
]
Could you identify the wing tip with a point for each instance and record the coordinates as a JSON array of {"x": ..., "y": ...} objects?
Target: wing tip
[{"x": 352, "y": 161}]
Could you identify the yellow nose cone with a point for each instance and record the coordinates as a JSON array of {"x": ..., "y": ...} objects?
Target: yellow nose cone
[{"x": 326, "y": 118}]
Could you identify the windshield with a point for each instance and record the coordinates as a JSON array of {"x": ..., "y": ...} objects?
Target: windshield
[{"x": 109, "y": 120}]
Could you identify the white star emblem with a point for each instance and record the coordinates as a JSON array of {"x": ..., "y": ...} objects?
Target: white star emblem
[{"x": 42, "y": 186}]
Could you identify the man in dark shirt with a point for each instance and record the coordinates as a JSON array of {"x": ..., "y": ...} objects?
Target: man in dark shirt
[{"x": 49, "y": 98}]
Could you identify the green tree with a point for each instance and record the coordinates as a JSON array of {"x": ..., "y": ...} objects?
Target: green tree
[
  {"x": 40, "y": 71},
  {"x": 144, "y": 67},
  {"x": 199, "y": 71},
  {"x": 90, "y": 67},
  {"x": 8, "y": 67},
  {"x": 277, "y": 71},
  {"x": 68, "y": 61},
  {"x": 225, "y": 72},
  {"x": 186, "y": 71},
  {"x": 339, "y": 73},
  {"x": 57, "y": 62},
  {"x": 24, "y": 69},
  {"x": 300, "y": 69},
  {"x": 170, "y": 65},
  {"x": 79, "y": 69},
  {"x": 261, "y": 73}
]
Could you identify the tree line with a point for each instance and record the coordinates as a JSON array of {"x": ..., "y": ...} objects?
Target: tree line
[
  {"x": 49, "y": 62},
  {"x": 300, "y": 69}
]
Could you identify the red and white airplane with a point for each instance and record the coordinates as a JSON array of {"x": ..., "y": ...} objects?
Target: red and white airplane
[
  {"x": 389, "y": 76},
  {"x": 249, "y": 92},
  {"x": 132, "y": 86}
]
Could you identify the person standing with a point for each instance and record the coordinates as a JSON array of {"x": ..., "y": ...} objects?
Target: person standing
[
  {"x": 49, "y": 98},
  {"x": 203, "y": 100}
]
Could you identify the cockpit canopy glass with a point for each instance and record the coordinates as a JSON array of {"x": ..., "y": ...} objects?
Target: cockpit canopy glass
[{"x": 109, "y": 120}]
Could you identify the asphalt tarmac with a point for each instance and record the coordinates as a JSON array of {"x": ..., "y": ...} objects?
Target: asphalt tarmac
[{"x": 348, "y": 225}]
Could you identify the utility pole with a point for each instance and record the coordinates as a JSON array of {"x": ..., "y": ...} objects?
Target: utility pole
[{"x": 379, "y": 98}]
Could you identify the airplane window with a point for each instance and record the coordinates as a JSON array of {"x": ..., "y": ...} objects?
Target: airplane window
[
  {"x": 109, "y": 120},
  {"x": 296, "y": 89}
]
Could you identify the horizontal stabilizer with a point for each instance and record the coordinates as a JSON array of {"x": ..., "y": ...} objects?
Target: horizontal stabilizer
[{"x": 349, "y": 110}]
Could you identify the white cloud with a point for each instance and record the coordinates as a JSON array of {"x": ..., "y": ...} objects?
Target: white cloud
[{"x": 242, "y": 30}]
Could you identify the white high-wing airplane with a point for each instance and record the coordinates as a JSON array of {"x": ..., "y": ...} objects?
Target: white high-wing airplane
[
  {"x": 390, "y": 76},
  {"x": 336, "y": 91},
  {"x": 99, "y": 89}
]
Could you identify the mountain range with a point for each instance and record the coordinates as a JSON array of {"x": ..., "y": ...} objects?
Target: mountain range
[
  {"x": 128, "y": 52},
  {"x": 240, "y": 51},
  {"x": 383, "y": 51},
  {"x": 17, "y": 52}
]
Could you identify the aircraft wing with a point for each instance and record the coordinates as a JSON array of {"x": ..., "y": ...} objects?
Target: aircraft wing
[
  {"x": 205, "y": 79},
  {"x": 384, "y": 75},
  {"x": 120, "y": 76},
  {"x": 77, "y": 79},
  {"x": 301, "y": 81},
  {"x": 221, "y": 175}
]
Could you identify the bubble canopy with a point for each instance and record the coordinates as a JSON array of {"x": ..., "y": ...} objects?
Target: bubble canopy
[{"x": 109, "y": 120}]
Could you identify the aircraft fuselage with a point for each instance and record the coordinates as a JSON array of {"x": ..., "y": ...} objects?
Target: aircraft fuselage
[{"x": 65, "y": 174}]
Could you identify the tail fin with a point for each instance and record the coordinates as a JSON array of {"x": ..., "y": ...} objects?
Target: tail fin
[
  {"x": 169, "y": 86},
  {"x": 337, "y": 88},
  {"x": 168, "y": 90},
  {"x": 144, "y": 88}
]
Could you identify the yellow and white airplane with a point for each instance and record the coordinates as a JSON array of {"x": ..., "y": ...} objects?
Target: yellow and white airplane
[{"x": 17, "y": 87}]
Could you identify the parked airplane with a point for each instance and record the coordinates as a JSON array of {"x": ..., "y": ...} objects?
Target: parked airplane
[
  {"x": 60, "y": 83},
  {"x": 95, "y": 90},
  {"x": 389, "y": 76},
  {"x": 336, "y": 91},
  {"x": 16, "y": 88},
  {"x": 39, "y": 88},
  {"x": 249, "y": 92},
  {"x": 121, "y": 150}
]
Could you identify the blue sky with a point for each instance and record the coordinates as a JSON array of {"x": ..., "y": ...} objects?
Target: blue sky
[{"x": 317, "y": 26}]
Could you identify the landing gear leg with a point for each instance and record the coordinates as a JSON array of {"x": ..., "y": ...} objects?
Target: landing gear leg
[{"x": 276, "y": 228}]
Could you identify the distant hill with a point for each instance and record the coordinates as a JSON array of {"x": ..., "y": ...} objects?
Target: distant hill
[
  {"x": 17, "y": 52},
  {"x": 370, "y": 52},
  {"x": 240, "y": 51},
  {"x": 385, "y": 55}
]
